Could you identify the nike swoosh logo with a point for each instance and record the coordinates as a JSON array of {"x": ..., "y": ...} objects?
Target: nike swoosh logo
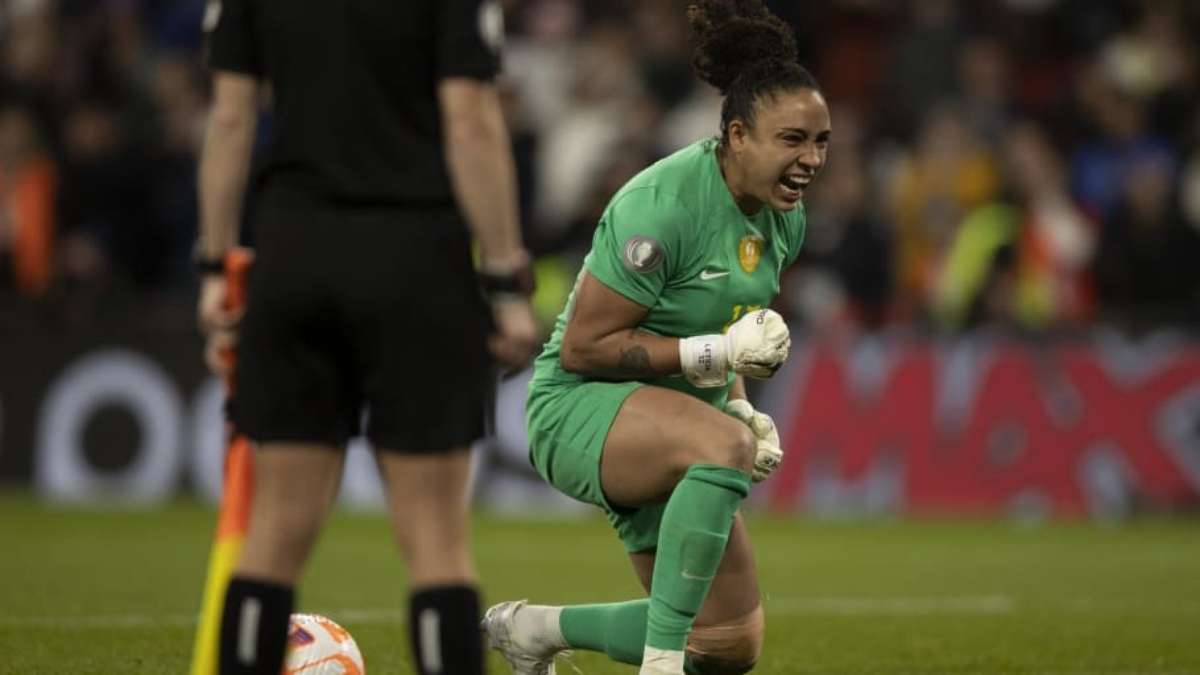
[{"x": 706, "y": 275}]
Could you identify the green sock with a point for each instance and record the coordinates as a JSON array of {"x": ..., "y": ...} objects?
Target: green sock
[
  {"x": 617, "y": 629},
  {"x": 691, "y": 542}
]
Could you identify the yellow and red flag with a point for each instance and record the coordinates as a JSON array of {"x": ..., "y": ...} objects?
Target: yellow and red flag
[{"x": 237, "y": 491}]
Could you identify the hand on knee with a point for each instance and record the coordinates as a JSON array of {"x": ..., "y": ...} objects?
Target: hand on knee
[
  {"x": 728, "y": 648},
  {"x": 741, "y": 449}
]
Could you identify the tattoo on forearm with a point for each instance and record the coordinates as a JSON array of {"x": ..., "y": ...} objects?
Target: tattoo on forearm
[{"x": 635, "y": 361}]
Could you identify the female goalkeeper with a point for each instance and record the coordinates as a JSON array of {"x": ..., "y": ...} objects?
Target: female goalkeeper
[{"x": 637, "y": 404}]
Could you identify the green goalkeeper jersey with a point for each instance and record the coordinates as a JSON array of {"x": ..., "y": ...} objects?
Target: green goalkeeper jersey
[{"x": 673, "y": 240}]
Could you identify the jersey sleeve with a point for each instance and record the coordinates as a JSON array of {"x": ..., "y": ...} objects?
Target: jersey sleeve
[
  {"x": 231, "y": 43},
  {"x": 638, "y": 247},
  {"x": 469, "y": 35}
]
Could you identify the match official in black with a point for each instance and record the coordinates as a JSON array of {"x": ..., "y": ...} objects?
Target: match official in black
[{"x": 387, "y": 155}]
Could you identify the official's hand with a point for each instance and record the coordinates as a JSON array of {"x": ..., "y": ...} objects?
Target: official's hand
[
  {"x": 218, "y": 322},
  {"x": 768, "y": 455},
  {"x": 516, "y": 335},
  {"x": 758, "y": 343}
]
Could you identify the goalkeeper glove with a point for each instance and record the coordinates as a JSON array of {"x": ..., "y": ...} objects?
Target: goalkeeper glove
[
  {"x": 768, "y": 455},
  {"x": 755, "y": 345}
]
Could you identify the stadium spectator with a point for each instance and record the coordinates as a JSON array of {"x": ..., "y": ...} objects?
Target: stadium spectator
[
  {"x": 923, "y": 62},
  {"x": 950, "y": 172},
  {"x": 1023, "y": 260},
  {"x": 1147, "y": 263},
  {"x": 985, "y": 90},
  {"x": 843, "y": 278},
  {"x": 28, "y": 185},
  {"x": 105, "y": 194},
  {"x": 1122, "y": 139},
  {"x": 1109, "y": 83}
]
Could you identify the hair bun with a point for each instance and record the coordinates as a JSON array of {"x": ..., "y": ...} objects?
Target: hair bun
[{"x": 733, "y": 36}]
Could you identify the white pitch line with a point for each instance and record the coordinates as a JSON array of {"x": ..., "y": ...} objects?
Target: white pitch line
[
  {"x": 95, "y": 621},
  {"x": 843, "y": 606},
  {"x": 876, "y": 606}
]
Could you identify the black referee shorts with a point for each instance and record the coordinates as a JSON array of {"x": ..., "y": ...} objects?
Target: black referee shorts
[{"x": 357, "y": 317}]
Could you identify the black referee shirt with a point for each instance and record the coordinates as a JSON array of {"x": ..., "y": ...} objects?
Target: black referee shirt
[{"x": 354, "y": 85}]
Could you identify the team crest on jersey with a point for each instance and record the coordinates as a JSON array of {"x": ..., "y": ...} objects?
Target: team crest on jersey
[
  {"x": 642, "y": 254},
  {"x": 750, "y": 252}
]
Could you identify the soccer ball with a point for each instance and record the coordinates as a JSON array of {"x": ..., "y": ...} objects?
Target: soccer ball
[{"x": 316, "y": 645}]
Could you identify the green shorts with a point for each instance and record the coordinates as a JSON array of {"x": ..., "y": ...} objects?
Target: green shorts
[{"x": 567, "y": 425}]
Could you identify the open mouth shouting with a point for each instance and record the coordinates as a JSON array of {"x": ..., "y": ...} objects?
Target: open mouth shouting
[{"x": 793, "y": 185}]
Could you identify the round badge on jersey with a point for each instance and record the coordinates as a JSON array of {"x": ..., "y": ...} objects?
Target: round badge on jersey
[
  {"x": 750, "y": 252},
  {"x": 642, "y": 254}
]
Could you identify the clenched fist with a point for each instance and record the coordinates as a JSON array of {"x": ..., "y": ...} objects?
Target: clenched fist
[{"x": 755, "y": 345}]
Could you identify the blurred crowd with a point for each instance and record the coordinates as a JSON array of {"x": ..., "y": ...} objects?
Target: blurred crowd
[{"x": 1026, "y": 164}]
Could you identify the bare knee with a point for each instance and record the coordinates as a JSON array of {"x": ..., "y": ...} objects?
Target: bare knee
[
  {"x": 728, "y": 648},
  {"x": 295, "y": 485},
  {"x": 278, "y": 541},
  {"x": 436, "y": 549},
  {"x": 427, "y": 502},
  {"x": 293, "y": 532},
  {"x": 734, "y": 448}
]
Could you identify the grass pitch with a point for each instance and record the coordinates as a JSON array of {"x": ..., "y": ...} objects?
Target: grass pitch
[{"x": 117, "y": 592}]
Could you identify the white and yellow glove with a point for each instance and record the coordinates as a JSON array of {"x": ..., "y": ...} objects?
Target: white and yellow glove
[
  {"x": 768, "y": 455},
  {"x": 755, "y": 345}
]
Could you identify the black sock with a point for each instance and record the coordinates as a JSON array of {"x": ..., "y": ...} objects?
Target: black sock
[
  {"x": 254, "y": 627},
  {"x": 443, "y": 625}
]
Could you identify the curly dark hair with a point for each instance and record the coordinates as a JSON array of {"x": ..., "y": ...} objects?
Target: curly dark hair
[{"x": 746, "y": 52}]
